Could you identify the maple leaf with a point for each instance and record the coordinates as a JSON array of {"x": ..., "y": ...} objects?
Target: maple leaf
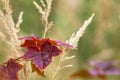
[
  {"x": 88, "y": 74},
  {"x": 9, "y": 72},
  {"x": 102, "y": 69},
  {"x": 35, "y": 42},
  {"x": 95, "y": 73},
  {"x": 105, "y": 68},
  {"x": 41, "y": 51}
]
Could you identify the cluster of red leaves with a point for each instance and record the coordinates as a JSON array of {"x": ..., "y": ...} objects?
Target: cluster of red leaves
[
  {"x": 9, "y": 72},
  {"x": 41, "y": 51}
]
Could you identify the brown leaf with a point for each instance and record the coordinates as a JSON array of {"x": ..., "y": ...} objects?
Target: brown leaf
[{"x": 83, "y": 73}]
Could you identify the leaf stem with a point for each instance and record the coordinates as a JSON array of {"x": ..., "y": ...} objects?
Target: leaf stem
[{"x": 14, "y": 59}]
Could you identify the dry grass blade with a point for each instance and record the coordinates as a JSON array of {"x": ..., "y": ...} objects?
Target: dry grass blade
[
  {"x": 73, "y": 41},
  {"x": 66, "y": 66},
  {"x": 19, "y": 20},
  {"x": 69, "y": 58},
  {"x": 43, "y": 3},
  {"x": 10, "y": 27},
  {"x": 44, "y": 10},
  {"x": 2, "y": 36},
  {"x": 76, "y": 36},
  {"x": 40, "y": 10}
]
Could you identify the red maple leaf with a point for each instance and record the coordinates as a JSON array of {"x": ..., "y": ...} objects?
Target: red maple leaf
[
  {"x": 9, "y": 72},
  {"x": 40, "y": 51}
]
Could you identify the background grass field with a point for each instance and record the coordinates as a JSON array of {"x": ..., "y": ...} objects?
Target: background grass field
[{"x": 101, "y": 40}]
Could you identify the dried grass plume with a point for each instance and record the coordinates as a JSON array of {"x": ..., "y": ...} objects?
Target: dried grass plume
[
  {"x": 10, "y": 27},
  {"x": 76, "y": 36},
  {"x": 45, "y": 10}
]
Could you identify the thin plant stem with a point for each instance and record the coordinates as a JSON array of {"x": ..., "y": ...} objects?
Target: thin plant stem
[{"x": 45, "y": 28}]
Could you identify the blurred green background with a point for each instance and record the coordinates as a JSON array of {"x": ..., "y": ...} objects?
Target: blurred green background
[{"x": 101, "y": 40}]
